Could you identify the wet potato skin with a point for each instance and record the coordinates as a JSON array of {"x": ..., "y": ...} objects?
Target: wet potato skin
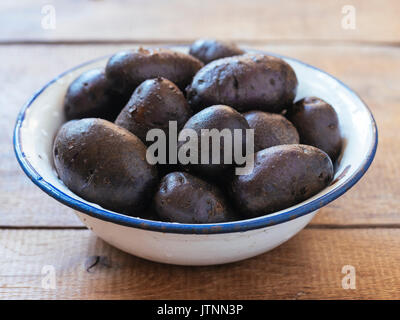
[
  {"x": 184, "y": 198},
  {"x": 91, "y": 95},
  {"x": 128, "y": 69},
  {"x": 317, "y": 124},
  {"x": 243, "y": 82},
  {"x": 104, "y": 164},
  {"x": 282, "y": 176},
  {"x": 153, "y": 104},
  {"x": 271, "y": 129},
  {"x": 215, "y": 117},
  {"x": 207, "y": 50}
]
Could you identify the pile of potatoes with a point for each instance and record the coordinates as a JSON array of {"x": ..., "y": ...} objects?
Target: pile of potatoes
[{"x": 100, "y": 153}]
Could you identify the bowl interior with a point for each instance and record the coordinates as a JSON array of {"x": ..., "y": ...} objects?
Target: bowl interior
[{"x": 43, "y": 115}]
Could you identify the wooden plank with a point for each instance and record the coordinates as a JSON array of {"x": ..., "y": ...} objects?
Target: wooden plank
[
  {"x": 367, "y": 69},
  {"x": 307, "y": 267},
  {"x": 183, "y": 20}
]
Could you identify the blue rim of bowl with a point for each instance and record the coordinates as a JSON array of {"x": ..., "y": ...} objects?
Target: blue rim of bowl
[{"x": 183, "y": 228}]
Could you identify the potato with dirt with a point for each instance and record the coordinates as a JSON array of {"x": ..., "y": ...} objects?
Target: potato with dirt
[
  {"x": 207, "y": 50},
  {"x": 104, "y": 164},
  {"x": 184, "y": 198},
  {"x": 91, "y": 95},
  {"x": 153, "y": 104},
  {"x": 271, "y": 129},
  {"x": 247, "y": 82},
  {"x": 128, "y": 69},
  {"x": 317, "y": 124},
  {"x": 283, "y": 176},
  {"x": 225, "y": 120}
]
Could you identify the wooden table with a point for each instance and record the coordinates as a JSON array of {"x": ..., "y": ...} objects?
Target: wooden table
[{"x": 361, "y": 229}]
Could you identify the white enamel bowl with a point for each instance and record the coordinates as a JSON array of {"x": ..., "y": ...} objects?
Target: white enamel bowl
[{"x": 190, "y": 244}]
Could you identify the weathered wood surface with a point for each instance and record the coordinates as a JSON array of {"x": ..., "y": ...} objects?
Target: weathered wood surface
[
  {"x": 306, "y": 267},
  {"x": 361, "y": 228},
  {"x": 183, "y": 20}
]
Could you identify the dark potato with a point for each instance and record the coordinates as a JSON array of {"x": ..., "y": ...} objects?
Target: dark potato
[
  {"x": 91, "y": 95},
  {"x": 184, "y": 198},
  {"x": 282, "y": 176},
  {"x": 105, "y": 164},
  {"x": 128, "y": 69},
  {"x": 317, "y": 124},
  {"x": 243, "y": 82},
  {"x": 207, "y": 50},
  {"x": 216, "y": 117},
  {"x": 271, "y": 129},
  {"x": 153, "y": 104}
]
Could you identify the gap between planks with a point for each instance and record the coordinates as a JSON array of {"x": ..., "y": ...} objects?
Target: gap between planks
[
  {"x": 311, "y": 226},
  {"x": 313, "y": 42}
]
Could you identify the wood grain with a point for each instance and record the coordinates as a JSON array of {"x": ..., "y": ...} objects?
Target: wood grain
[
  {"x": 375, "y": 200},
  {"x": 307, "y": 267},
  {"x": 184, "y": 20},
  {"x": 361, "y": 228}
]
